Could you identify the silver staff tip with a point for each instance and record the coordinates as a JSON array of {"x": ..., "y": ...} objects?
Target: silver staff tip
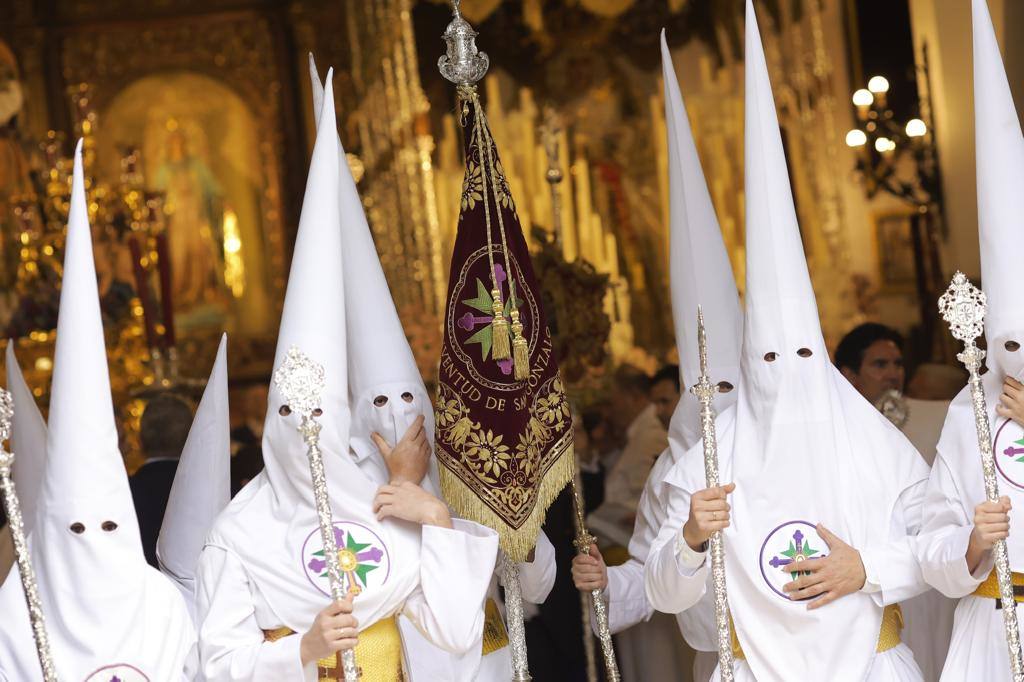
[
  {"x": 300, "y": 381},
  {"x": 462, "y": 63},
  {"x": 963, "y": 307}
]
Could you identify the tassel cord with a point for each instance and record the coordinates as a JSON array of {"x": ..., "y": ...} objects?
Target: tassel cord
[
  {"x": 500, "y": 349},
  {"x": 520, "y": 347}
]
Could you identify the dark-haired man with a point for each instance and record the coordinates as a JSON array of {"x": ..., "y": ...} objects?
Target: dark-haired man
[
  {"x": 163, "y": 432},
  {"x": 664, "y": 393},
  {"x": 646, "y": 433},
  {"x": 870, "y": 356}
]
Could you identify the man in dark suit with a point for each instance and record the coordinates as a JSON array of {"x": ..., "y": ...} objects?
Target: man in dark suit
[{"x": 163, "y": 432}]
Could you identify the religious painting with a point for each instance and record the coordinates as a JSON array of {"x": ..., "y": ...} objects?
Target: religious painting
[
  {"x": 198, "y": 145},
  {"x": 895, "y": 242}
]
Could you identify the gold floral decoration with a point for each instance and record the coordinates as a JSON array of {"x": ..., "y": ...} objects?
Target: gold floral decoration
[
  {"x": 472, "y": 187},
  {"x": 489, "y": 458},
  {"x": 489, "y": 453}
]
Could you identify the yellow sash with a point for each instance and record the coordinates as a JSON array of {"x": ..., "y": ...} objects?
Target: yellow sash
[
  {"x": 378, "y": 653},
  {"x": 495, "y": 634},
  {"x": 888, "y": 635},
  {"x": 990, "y": 588}
]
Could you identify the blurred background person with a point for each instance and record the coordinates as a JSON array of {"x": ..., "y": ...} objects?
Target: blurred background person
[
  {"x": 870, "y": 356},
  {"x": 247, "y": 418},
  {"x": 162, "y": 432},
  {"x": 245, "y": 465},
  {"x": 642, "y": 408}
]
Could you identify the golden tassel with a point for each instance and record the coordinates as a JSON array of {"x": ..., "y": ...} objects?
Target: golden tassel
[
  {"x": 520, "y": 349},
  {"x": 499, "y": 331}
]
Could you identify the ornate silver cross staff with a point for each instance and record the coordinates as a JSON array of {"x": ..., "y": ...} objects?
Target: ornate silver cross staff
[
  {"x": 963, "y": 308},
  {"x": 300, "y": 381},
  {"x": 604, "y": 633},
  {"x": 583, "y": 537},
  {"x": 17, "y": 526},
  {"x": 705, "y": 392}
]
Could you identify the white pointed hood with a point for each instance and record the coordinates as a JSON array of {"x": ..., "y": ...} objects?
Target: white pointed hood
[
  {"x": 999, "y": 151},
  {"x": 271, "y": 525},
  {"x": 380, "y": 360},
  {"x": 28, "y": 440},
  {"x": 313, "y": 317},
  {"x": 1000, "y": 169},
  {"x": 701, "y": 273},
  {"x": 805, "y": 447},
  {"x": 202, "y": 483},
  {"x": 104, "y": 605}
]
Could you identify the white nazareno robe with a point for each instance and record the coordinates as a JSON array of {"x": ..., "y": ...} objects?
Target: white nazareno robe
[{"x": 676, "y": 577}]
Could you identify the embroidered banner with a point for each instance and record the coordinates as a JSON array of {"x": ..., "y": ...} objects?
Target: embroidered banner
[{"x": 504, "y": 430}]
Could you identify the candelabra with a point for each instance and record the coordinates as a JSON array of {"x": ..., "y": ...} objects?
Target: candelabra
[{"x": 902, "y": 160}]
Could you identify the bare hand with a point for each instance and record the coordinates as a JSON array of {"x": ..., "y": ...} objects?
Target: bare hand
[
  {"x": 709, "y": 512},
  {"x": 834, "y": 576},
  {"x": 991, "y": 523},
  {"x": 589, "y": 572},
  {"x": 1011, "y": 401},
  {"x": 335, "y": 629},
  {"x": 409, "y": 502},
  {"x": 408, "y": 460}
]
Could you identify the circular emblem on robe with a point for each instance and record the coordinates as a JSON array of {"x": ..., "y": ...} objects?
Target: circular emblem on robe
[
  {"x": 362, "y": 557},
  {"x": 117, "y": 672},
  {"x": 789, "y": 542},
  {"x": 1008, "y": 451}
]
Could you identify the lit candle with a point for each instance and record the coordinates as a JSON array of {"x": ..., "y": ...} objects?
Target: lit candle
[
  {"x": 142, "y": 289},
  {"x": 163, "y": 261},
  {"x": 612, "y": 254},
  {"x": 570, "y": 241},
  {"x": 584, "y": 213}
]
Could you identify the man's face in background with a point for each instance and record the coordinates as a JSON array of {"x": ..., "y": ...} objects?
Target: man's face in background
[
  {"x": 881, "y": 370},
  {"x": 665, "y": 396}
]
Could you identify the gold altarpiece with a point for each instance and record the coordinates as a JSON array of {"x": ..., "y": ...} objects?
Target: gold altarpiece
[
  {"x": 596, "y": 65},
  {"x": 614, "y": 197}
]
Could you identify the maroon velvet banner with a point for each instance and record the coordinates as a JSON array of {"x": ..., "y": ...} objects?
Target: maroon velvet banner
[{"x": 505, "y": 444}]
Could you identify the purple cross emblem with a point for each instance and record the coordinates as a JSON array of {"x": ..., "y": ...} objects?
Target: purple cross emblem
[{"x": 787, "y": 544}]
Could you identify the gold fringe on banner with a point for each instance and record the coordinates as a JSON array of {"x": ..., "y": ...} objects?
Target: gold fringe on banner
[{"x": 517, "y": 543}]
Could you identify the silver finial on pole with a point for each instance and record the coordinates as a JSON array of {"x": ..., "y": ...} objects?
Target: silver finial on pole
[
  {"x": 301, "y": 381},
  {"x": 462, "y": 63},
  {"x": 705, "y": 391},
  {"x": 17, "y": 525},
  {"x": 963, "y": 307}
]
